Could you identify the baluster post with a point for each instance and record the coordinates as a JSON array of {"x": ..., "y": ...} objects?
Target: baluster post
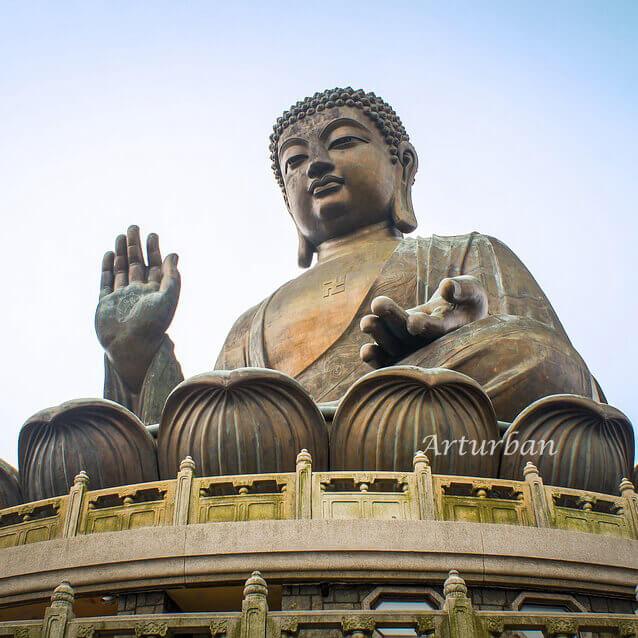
[
  {"x": 254, "y": 607},
  {"x": 542, "y": 509},
  {"x": 461, "y": 620},
  {"x": 183, "y": 491},
  {"x": 424, "y": 486},
  {"x": 60, "y": 613},
  {"x": 303, "y": 489},
  {"x": 630, "y": 505},
  {"x": 75, "y": 505}
]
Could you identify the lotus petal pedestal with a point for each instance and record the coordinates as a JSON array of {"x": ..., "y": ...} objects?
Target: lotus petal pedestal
[
  {"x": 244, "y": 421},
  {"x": 10, "y": 492},
  {"x": 573, "y": 441},
  {"x": 102, "y": 438},
  {"x": 388, "y": 414}
]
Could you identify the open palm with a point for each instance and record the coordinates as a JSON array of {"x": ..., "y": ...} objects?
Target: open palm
[{"x": 137, "y": 304}]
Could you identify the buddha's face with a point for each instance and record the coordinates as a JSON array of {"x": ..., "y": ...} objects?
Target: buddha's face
[{"x": 338, "y": 173}]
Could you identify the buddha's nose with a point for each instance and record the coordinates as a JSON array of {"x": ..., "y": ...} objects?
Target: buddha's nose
[{"x": 319, "y": 166}]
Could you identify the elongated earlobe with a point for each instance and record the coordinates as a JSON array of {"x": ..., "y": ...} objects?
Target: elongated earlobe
[
  {"x": 305, "y": 252},
  {"x": 403, "y": 211},
  {"x": 305, "y": 249}
]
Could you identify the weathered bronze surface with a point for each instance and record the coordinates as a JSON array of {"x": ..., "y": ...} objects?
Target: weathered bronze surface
[
  {"x": 246, "y": 421},
  {"x": 593, "y": 443},
  {"x": 373, "y": 299},
  {"x": 98, "y": 437},
  {"x": 10, "y": 492},
  {"x": 388, "y": 413}
]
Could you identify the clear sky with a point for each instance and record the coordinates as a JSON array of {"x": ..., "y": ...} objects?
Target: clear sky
[{"x": 524, "y": 114}]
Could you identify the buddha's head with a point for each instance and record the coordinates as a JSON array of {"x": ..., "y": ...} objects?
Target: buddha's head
[{"x": 344, "y": 163}]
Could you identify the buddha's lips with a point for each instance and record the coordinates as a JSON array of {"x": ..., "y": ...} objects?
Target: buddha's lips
[{"x": 324, "y": 181}]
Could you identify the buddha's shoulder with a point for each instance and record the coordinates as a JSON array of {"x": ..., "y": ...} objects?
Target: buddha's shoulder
[
  {"x": 243, "y": 322},
  {"x": 467, "y": 241},
  {"x": 465, "y": 238}
]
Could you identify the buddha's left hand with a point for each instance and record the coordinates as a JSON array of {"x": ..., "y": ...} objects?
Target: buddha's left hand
[{"x": 398, "y": 332}]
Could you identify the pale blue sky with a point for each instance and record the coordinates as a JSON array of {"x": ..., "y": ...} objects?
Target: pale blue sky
[{"x": 158, "y": 113}]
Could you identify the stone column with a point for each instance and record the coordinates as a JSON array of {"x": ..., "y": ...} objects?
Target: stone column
[
  {"x": 254, "y": 608},
  {"x": 59, "y": 613},
  {"x": 462, "y": 621},
  {"x": 183, "y": 490},
  {"x": 630, "y": 505},
  {"x": 75, "y": 505},
  {"x": 542, "y": 509},
  {"x": 424, "y": 486},
  {"x": 303, "y": 489}
]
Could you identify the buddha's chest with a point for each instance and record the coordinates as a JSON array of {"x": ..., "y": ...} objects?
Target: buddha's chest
[{"x": 307, "y": 315}]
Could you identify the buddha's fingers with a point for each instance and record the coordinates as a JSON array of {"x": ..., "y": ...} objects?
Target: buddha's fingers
[
  {"x": 464, "y": 289},
  {"x": 120, "y": 264},
  {"x": 106, "y": 280},
  {"x": 393, "y": 316},
  {"x": 154, "y": 259},
  {"x": 136, "y": 267},
  {"x": 170, "y": 283},
  {"x": 373, "y": 355},
  {"x": 372, "y": 325},
  {"x": 426, "y": 327}
]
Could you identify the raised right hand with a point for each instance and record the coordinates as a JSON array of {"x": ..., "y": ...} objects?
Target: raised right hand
[{"x": 137, "y": 304}]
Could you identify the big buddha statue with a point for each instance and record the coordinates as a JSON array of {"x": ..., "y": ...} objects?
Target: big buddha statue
[{"x": 372, "y": 299}]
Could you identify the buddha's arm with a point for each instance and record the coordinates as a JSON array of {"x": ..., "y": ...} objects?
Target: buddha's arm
[
  {"x": 510, "y": 286},
  {"x": 163, "y": 374},
  {"x": 466, "y": 278},
  {"x": 235, "y": 352},
  {"x": 137, "y": 303}
]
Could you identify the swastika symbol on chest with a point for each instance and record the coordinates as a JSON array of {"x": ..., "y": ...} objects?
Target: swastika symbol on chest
[{"x": 334, "y": 286}]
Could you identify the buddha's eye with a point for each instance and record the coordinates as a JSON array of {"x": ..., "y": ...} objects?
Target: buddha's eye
[
  {"x": 294, "y": 161},
  {"x": 346, "y": 141}
]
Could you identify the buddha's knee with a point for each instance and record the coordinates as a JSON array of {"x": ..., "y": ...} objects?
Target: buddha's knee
[{"x": 517, "y": 361}]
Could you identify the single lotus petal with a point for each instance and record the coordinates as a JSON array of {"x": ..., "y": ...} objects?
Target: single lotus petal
[
  {"x": 10, "y": 492},
  {"x": 102, "y": 438},
  {"x": 389, "y": 414},
  {"x": 243, "y": 421},
  {"x": 573, "y": 441}
]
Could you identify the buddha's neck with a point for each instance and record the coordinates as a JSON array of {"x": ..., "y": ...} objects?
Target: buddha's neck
[{"x": 349, "y": 243}]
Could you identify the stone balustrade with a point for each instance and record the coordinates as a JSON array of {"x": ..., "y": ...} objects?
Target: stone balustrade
[
  {"x": 456, "y": 619},
  {"x": 416, "y": 495}
]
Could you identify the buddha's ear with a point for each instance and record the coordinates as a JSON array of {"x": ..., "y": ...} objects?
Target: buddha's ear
[
  {"x": 305, "y": 249},
  {"x": 403, "y": 212},
  {"x": 304, "y": 252}
]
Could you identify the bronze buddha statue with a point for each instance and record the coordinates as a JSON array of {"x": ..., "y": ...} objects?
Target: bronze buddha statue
[
  {"x": 346, "y": 168},
  {"x": 373, "y": 299}
]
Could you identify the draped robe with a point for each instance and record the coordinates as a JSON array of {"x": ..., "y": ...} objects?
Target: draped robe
[{"x": 519, "y": 353}]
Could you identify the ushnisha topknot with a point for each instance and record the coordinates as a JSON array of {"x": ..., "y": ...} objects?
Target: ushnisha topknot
[{"x": 379, "y": 111}]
